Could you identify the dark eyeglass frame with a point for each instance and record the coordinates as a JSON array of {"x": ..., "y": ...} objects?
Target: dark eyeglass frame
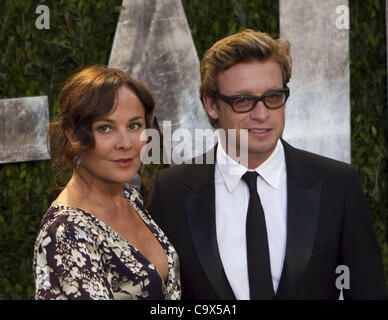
[{"x": 229, "y": 99}]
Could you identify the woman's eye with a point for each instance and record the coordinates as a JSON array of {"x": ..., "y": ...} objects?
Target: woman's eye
[
  {"x": 135, "y": 126},
  {"x": 104, "y": 128}
]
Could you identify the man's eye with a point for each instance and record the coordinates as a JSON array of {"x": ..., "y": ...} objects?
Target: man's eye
[
  {"x": 274, "y": 97},
  {"x": 242, "y": 102}
]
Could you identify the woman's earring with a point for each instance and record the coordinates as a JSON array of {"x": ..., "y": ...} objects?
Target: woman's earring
[{"x": 78, "y": 162}]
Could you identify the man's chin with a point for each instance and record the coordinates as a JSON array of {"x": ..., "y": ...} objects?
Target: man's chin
[{"x": 261, "y": 150}]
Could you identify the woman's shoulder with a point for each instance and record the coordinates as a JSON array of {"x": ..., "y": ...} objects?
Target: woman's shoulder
[{"x": 62, "y": 222}]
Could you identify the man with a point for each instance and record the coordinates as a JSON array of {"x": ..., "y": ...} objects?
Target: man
[{"x": 280, "y": 225}]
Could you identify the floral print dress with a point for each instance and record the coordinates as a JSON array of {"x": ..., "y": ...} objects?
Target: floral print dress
[{"x": 77, "y": 256}]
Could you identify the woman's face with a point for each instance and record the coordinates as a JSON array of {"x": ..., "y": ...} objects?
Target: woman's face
[{"x": 116, "y": 155}]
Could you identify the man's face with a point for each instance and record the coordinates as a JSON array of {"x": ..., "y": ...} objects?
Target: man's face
[{"x": 265, "y": 126}]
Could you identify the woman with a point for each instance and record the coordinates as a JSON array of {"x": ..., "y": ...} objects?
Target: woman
[{"x": 96, "y": 240}]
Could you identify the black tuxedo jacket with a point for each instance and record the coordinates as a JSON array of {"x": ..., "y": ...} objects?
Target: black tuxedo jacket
[{"x": 328, "y": 224}]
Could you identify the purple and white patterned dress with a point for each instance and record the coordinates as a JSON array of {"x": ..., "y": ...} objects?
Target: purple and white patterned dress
[{"x": 77, "y": 256}]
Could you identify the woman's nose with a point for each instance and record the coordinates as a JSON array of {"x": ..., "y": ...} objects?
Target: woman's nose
[{"x": 124, "y": 140}]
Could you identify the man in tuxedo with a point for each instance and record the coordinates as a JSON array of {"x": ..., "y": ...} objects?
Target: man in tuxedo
[{"x": 279, "y": 225}]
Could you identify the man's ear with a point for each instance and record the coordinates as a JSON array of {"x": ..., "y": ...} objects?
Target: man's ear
[{"x": 211, "y": 107}]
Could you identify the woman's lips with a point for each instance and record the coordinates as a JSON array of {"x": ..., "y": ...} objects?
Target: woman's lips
[{"x": 123, "y": 162}]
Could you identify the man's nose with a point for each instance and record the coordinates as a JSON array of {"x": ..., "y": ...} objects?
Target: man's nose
[{"x": 259, "y": 112}]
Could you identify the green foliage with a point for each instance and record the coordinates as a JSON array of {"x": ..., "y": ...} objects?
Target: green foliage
[
  {"x": 368, "y": 92},
  {"x": 25, "y": 195},
  {"x": 37, "y": 62},
  {"x": 212, "y": 20}
]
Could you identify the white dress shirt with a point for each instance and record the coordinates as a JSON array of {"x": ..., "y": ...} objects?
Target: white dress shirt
[{"x": 232, "y": 197}]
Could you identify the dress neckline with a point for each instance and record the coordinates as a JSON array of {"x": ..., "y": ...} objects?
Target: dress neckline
[{"x": 110, "y": 229}]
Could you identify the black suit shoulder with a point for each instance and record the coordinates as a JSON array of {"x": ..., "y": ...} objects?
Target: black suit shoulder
[
  {"x": 302, "y": 162},
  {"x": 315, "y": 166},
  {"x": 194, "y": 174},
  {"x": 177, "y": 173}
]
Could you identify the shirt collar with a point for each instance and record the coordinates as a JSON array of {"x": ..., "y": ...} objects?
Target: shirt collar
[{"x": 270, "y": 170}]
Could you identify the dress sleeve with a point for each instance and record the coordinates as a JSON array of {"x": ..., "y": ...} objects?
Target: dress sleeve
[{"x": 67, "y": 265}]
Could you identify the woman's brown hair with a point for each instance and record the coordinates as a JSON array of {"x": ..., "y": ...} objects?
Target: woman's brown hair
[{"x": 87, "y": 97}]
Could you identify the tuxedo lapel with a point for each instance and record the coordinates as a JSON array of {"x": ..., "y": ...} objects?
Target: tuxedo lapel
[
  {"x": 303, "y": 202},
  {"x": 198, "y": 197}
]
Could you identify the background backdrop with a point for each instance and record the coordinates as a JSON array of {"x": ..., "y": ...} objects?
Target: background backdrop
[{"x": 38, "y": 62}]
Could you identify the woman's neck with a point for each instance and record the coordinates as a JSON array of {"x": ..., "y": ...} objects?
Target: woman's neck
[{"x": 91, "y": 193}]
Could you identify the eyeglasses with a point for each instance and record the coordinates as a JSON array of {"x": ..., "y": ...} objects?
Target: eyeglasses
[{"x": 246, "y": 103}]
